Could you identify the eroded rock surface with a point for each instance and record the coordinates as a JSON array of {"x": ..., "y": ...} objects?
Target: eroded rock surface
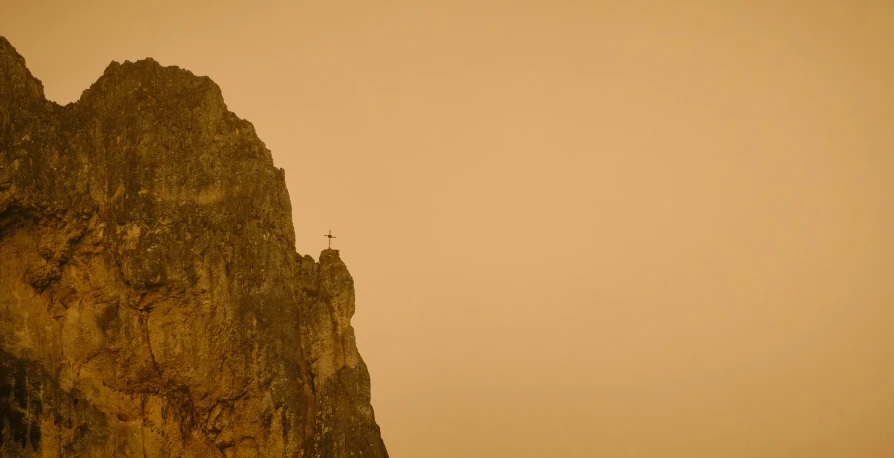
[{"x": 152, "y": 303}]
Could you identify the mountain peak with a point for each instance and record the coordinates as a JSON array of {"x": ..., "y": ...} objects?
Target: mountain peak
[
  {"x": 150, "y": 291},
  {"x": 16, "y": 81}
]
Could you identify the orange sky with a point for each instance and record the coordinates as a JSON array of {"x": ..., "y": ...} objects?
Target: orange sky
[{"x": 577, "y": 229}]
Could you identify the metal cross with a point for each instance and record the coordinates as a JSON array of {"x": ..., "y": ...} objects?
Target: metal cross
[{"x": 330, "y": 238}]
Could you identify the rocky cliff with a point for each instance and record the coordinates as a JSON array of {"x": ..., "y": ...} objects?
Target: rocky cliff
[{"x": 152, "y": 303}]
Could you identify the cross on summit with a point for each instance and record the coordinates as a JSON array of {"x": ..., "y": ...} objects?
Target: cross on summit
[{"x": 330, "y": 238}]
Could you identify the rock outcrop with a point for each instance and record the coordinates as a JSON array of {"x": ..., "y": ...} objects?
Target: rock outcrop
[{"x": 152, "y": 303}]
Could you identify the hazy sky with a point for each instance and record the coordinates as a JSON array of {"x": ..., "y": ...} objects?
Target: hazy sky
[{"x": 579, "y": 228}]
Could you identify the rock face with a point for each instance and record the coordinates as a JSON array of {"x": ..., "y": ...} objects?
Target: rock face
[{"x": 152, "y": 303}]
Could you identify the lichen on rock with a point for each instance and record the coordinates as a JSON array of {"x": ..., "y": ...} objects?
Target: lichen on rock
[{"x": 151, "y": 299}]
